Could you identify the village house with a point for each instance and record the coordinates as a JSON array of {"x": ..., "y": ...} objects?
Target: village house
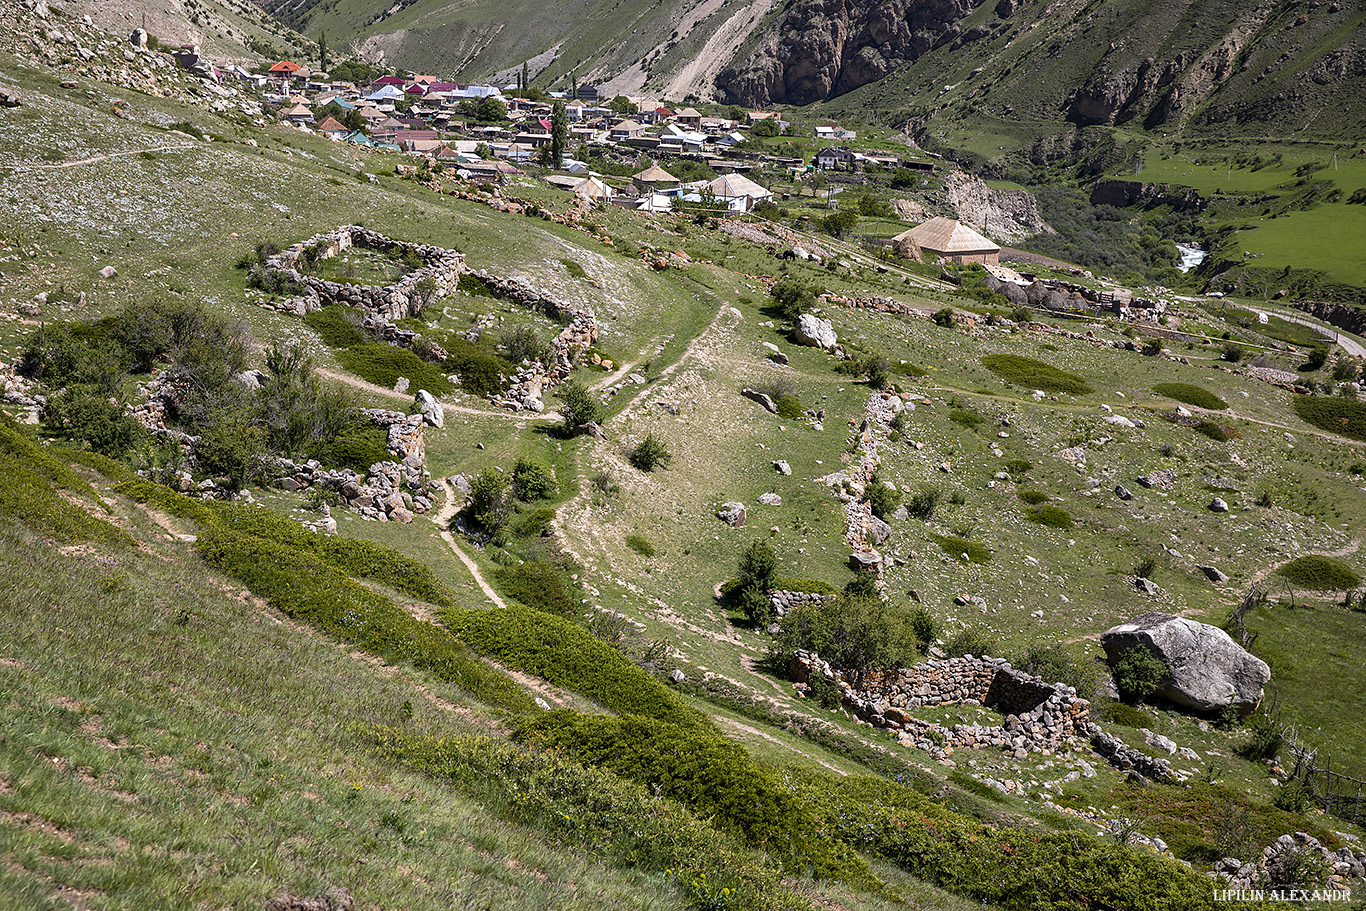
[
  {"x": 948, "y": 239},
  {"x": 830, "y": 159},
  {"x": 626, "y": 129},
  {"x": 689, "y": 119}
]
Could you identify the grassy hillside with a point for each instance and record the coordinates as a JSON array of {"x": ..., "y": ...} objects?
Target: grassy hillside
[{"x": 208, "y": 705}]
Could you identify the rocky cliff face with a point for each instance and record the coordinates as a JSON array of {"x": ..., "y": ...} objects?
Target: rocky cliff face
[
  {"x": 822, "y": 48},
  {"x": 1003, "y": 215}
]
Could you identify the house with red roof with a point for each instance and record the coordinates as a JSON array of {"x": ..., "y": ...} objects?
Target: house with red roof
[{"x": 285, "y": 68}]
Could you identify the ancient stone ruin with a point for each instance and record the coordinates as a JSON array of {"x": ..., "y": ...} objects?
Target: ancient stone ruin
[{"x": 438, "y": 276}]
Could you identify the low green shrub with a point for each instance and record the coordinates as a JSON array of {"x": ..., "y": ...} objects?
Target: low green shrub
[
  {"x": 481, "y": 371},
  {"x": 965, "y": 417},
  {"x": 1263, "y": 742},
  {"x": 908, "y": 369},
  {"x": 335, "y": 328},
  {"x": 1292, "y": 797},
  {"x": 790, "y": 407},
  {"x": 1055, "y": 664},
  {"x": 357, "y": 447},
  {"x": 1198, "y": 396},
  {"x": 925, "y": 628},
  {"x": 30, "y": 478},
  {"x": 1335, "y": 414},
  {"x": 856, "y": 634},
  {"x": 1003, "y": 866},
  {"x": 1050, "y": 515},
  {"x": 565, "y": 654},
  {"x": 923, "y": 502},
  {"x": 883, "y": 498},
  {"x": 825, "y": 691},
  {"x": 1113, "y": 710},
  {"x": 83, "y": 414},
  {"x": 532, "y": 480},
  {"x": 1018, "y": 466},
  {"x": 641, "y": 545},
  {"x": 534, "y": 523},
  {"x": 490, "y": 500},
  {"x": 1217, "y": 432},
  {"x": 955, "y": 547},
  {"x": 623, "y": 821},
  {"x": 383, "y": 364},
  {"x": 1031, "y": 496},
  {"x": 1319, "y": 573},
  {"x": 970, "y": 641},
  {"x": 713, "y": 777},
  {"x": 1032, "y": 374},
  {"x": 540, "y": 585},
  {"x": 650, "y": 453}
]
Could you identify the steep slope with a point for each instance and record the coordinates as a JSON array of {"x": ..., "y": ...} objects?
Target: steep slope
[
  {"x": 1270, "y": 67},
  {"x": 236, "y": 30},
  {"x": 631, "y": 43}
]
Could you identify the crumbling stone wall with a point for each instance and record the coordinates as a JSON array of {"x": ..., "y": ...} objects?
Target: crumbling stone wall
[{"x": 389, "y": 302}]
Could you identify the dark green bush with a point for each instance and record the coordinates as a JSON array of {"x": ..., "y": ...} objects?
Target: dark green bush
[
  {"x": 490, "y": 501},
  {"x": 532, "y": 480},
  {"x": 650, "y": 453},
  {"x": 1018, "y": 466},
  {"x": 1198, "y": 396},
  {"x": 1291, "y": 796},
  {"x": 357, "y": 447},
  {"x": 825, "y": 691},
  {"x": 579, "y": 407},
  {"x": 883, "y": 499},
  {"x": 922, "y": 503},
  {"x": 641, "y": 545},
  {"x": 1319, "y": 573},
  {"x": 540, "y": 585},
  {"x": 1138, "y": 673},
  {"x": 383, "y": 364},
  {"x": 955, "y": 547},
  {"x": 1052, "y": 516},
  {"x": 856, "y": 634},
  {"x": 623, "y": 821},
  {"x": 1216, "y": 432},
  {"x": 970, "y": 641},
  {"x": 943, "y": 317},
  {"x": 756, "y": 575},
  {"x": 534, "y": 523},
  {"x": 1263, "y": 742},
  {"x": 29, "y": 480},
  {"x": 925, "y": 628},
  {"x": 1120, "y": 713},
  {"x": 1032, "y": 374},
  {"x": 790, "y": 407},
  {"x": 1055, "y": 664},
  {"x": 1332, "y": 413},
  {"x": 1231, "y": 353},
  {"x": 333, "y": 325},
  {"x": 481, "y": 371},
  {"x": 717, "y": 779},
  {"x": 793, "y": 298},
  {"x": 1031, "y": 496},
  {"x": 80, "y": 413},
  {"x": 1006, "y": 867},
  {"x": 234, "y": 449}
]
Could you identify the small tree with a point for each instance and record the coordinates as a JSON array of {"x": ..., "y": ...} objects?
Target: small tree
[
  {"x": 1138, "y": 673},
  {"x": 793, "y": 298},
  {"x": 532, "y": 480},
  {"x": 838, "y": 224},
  {"x": 489, "y": 503},
  {"x": 882, "y": 499},
  {"x": 755, "y": 577},
  {"x": 579, "y": 408},
  {"x": 559, "y": 134},
  {"x": 650, "y": 454},
  {"x": 943, "y": 317}
]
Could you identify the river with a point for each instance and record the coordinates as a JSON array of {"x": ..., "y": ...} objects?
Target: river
[{"x": 1190, "y": 257}]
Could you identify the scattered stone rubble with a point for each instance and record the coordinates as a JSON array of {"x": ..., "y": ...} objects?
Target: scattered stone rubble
[{"x": 1284, "y": 861}]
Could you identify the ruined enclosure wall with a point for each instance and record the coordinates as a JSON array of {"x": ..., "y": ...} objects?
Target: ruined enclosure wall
[{"x": 388, "y": 302}]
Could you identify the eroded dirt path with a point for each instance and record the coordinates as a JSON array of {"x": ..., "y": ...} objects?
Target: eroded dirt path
[{"x": 441, "y": 519}]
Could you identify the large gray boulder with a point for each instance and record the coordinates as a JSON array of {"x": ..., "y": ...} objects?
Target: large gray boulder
[
  {"x": 815, "y": 332},
  {"x": 431, "y": 410},
  {"x": 1206, "y": 670}
]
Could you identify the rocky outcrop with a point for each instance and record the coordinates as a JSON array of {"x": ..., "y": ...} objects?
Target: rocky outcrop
[
  {"x": 813, "y": 331},
  {"x": 821, "y": 48},
  {"x": 1124, "y": 193},
  {"x": 1344, "y": 316},
  {"x": 1003, "y": 215},
  {"x": 1206, "y": 669},
  {"x": 1287, "y": 857}
]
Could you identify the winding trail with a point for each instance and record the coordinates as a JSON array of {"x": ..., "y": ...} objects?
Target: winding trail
[
  {"x": 356, "y": 382},
  {"x": 443, "y": 516},
  {"x": 1349, "y": 345},
  {"x": 93, "y": 159}
]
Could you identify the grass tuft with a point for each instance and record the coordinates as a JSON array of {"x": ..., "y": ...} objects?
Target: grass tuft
[{"x": 1032, "y": 374}]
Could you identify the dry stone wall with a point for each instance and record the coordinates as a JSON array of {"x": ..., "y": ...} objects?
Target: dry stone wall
[
  {"x": 389, "y": 302},
  {"x": 526, "y": 391}
]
